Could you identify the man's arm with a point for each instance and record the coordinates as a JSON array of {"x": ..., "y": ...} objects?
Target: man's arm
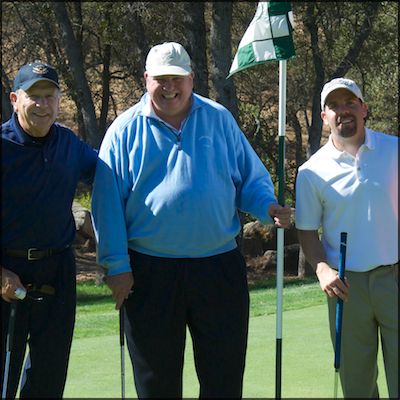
[{"x": 315, "y": 255}]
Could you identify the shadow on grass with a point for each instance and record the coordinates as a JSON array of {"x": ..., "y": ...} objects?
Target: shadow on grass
[
  {"x": 288, "y": 281},
  {"x": 92, "y": 292},
  {"x": 88, "y": 300}
]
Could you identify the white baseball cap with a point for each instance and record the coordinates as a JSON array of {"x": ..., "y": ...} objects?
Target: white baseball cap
[
  {"x": 340, "y": 83},
  {"x": 169, "y": 58}
]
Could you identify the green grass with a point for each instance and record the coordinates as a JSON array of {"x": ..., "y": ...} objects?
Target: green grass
[
  {"x": 96, "y": 312},
  {"x": 298, "y": 294},
  {"x": 307, "y": 355}
]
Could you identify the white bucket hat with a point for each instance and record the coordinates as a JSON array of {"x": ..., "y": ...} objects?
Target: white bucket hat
[
  {"x": 340, "y": 83},
  {"x": 169, "y": 58}
]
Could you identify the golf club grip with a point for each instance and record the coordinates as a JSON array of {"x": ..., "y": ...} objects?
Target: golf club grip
[
  {"x": 121, "y": 326},
  {"x": 339, "y": 303},
  {"x": 343, "y": 248}
]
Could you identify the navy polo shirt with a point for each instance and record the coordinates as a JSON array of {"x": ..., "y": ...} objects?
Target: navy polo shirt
[{"x": 39, "y": 179}]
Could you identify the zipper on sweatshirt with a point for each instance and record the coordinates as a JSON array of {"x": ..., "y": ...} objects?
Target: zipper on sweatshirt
[
  {"x": 177, "y": 133},
  {"x": 179, "y": 140}
]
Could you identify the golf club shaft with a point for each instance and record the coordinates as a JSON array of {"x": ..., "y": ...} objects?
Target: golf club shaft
[
  {"x": 335, "y": 387},
  {"x": 9, "y": 346},
  {"x": 339, "y": 309},
  {"x": 279, "y": 304},
  {"x": 280, "y": 233},
  {"x": 5, "y": 380},
  {"x": 122, "y": 344}
]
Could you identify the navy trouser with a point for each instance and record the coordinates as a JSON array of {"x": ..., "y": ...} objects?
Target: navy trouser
[
  {"x": 46, "y": 325},
  {"x": 207, "y": 295}
]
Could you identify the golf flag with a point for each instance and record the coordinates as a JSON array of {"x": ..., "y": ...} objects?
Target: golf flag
[{"x": 268, "y": 37}]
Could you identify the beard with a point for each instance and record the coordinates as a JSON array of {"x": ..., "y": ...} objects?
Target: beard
[
  {"x": 347, "y": 132},
  {"x": 348, "y": 129}
]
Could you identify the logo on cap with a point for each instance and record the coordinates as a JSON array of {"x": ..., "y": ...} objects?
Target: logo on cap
[
  {"x": 31, "y": 73},
  {"x": 40, "y": 69},
  {"x": 340, "y": 83}
]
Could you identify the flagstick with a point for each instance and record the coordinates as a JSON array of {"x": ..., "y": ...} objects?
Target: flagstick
[{"x": 280, "y": 237}]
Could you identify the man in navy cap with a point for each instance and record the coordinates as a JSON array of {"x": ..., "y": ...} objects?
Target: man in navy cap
[{"x": 42, "y": 163}]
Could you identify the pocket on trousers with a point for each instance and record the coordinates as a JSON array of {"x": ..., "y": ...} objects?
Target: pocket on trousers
[{"x": 234, "y": 269}]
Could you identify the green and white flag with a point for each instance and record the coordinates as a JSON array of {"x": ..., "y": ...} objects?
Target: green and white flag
[{"x": 268, "y": 37}]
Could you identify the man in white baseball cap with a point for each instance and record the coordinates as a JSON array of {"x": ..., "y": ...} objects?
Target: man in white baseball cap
[
  {"x": 168, "y": 59},
  {"x": 175, "y": 169},
  {"x": 340, "y": 83},
  {"x": 351, "y": 185}
]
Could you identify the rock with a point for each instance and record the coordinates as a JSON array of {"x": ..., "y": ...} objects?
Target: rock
[
  {"x": 84, "y": 230},
  {"x": 258, "y": 238},
  {"x": 291, "y": 259}
]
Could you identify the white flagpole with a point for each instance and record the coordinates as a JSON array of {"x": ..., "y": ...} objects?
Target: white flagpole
[{"x": 280, "y": 233}]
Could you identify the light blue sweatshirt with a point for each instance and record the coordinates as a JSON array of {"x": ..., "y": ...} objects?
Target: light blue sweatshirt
[{"x": 171, "y": 193}]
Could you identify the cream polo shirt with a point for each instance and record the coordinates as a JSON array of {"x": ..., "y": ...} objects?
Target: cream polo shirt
[{"x": 357, "y": 195}]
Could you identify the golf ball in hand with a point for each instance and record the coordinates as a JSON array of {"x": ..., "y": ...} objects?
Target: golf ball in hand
[{"x": 20, "y": 293}]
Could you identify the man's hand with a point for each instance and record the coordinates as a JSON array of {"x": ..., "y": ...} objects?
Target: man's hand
[
  {"x": 330, "y": 282},
  {"x": 121, "y": 286},
  {"x": 280, "y": 215},
  {"x": 10, "y": 282}
]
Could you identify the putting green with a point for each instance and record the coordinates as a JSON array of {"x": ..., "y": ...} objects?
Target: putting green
[{"x": 307, "y": 361}]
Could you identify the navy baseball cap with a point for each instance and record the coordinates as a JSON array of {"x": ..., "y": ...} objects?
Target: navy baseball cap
[{"x": 32, "y": 73}]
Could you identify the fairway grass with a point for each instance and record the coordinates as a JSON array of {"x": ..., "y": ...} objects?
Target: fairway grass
[{"x": 307, "y": 360}]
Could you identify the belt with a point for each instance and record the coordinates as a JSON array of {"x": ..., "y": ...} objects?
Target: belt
[
  {"x": 45, "y": 289},
  {"x": 33, "y": 254}
]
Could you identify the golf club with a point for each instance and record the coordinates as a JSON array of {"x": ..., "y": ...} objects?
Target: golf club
[
  {"x": 9, "y": 345},
  {"x": 20, "y": 294},
  {"x": 122, "y": 344},
  {"x": 339, "y": 311}
]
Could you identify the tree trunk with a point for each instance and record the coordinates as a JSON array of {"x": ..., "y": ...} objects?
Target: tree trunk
[
  {"x": 221, "y": 55},
  {"x": 348, "y": 61},
  {"x": 75, "y": 60},
  {"x": 295, "y": 124},
  {"x": 361, "y": 36},
  {"x": 139, "y": 53},
  {"x": 196, "y": 45},
  {"x": 314, "y": 131},
  {"x": 304, "y": 268},
  {"x": 105, "y": 98},
  {"x": 6, "y": 107}
]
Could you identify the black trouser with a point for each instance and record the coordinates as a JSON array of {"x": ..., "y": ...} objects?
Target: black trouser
[
  {"x": 207, "y": 295},
  {"x": 46, "y": 324}
]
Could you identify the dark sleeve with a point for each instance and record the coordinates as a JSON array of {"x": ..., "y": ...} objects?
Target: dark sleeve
[{"x": 88, "y": 160}]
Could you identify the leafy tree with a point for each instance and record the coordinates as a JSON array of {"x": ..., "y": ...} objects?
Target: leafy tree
[
  {"x": 74, "y": 53},
  {"x": 99, "y": 49},
  {"x": 220, "y": 55}
]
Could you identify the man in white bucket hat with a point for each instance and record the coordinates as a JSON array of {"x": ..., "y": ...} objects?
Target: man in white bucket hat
[
  {"x": 351, "y": 185},
  {"x": 174, "y": 170}
]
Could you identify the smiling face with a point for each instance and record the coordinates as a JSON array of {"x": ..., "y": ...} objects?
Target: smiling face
[
  {"x": 344, "y": 113},
  {"x": 37, "y": 108},
  {"x": 170, "y": 96}
]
